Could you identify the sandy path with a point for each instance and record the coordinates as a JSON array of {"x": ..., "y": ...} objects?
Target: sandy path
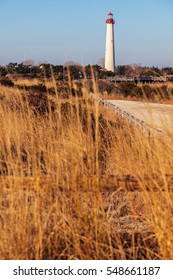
[{"x": 159, "y": 116}]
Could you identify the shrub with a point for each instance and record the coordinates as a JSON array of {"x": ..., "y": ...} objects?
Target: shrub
[
  {"x": 148, "y": 91},
  {"x": 6, "y": 82},
  {"x": 36, "y": 88},
  {"x": 126, "y": 88}
]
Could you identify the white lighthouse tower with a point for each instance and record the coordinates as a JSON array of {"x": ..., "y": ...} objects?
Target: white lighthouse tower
[{"x": 110, "y": 51}]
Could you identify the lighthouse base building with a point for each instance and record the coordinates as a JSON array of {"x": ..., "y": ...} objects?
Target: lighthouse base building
[{"x": 110, "y": 48}]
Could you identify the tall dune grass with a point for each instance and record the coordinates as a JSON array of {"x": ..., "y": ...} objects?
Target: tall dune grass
[{"x": 53, "y": 161}]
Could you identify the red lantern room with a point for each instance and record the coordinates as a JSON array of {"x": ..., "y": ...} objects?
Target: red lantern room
[{"x": 110, "y": 19}]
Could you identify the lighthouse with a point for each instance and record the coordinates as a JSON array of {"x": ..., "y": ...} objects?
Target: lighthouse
[{"x": 110, "y": 51}]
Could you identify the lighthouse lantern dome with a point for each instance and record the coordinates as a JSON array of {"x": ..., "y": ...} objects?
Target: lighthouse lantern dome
[{"x": 110, "y": 18}]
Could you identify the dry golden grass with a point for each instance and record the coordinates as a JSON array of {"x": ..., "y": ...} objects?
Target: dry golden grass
[
  {"x": 58, "y": 199},
  {"x": 158, "y": 93},
  {"x": 26, "y": 82}
]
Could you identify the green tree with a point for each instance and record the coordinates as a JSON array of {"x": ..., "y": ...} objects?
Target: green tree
[
  {"x": 120, "y": 70},
  {"x": 75, "y": 71},
  {"x": 3, "y": 71},
  {"x": 106, "y": 74},
  {"x": 11, "y": 67}
]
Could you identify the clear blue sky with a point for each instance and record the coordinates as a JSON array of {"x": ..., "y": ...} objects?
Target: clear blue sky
[{"x": 61, "y": 30}]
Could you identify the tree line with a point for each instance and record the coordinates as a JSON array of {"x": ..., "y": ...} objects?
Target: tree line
[{"x": 78, "y": 71}]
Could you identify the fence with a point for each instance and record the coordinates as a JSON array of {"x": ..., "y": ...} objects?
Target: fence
[{"x": 147, "y": 129}]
